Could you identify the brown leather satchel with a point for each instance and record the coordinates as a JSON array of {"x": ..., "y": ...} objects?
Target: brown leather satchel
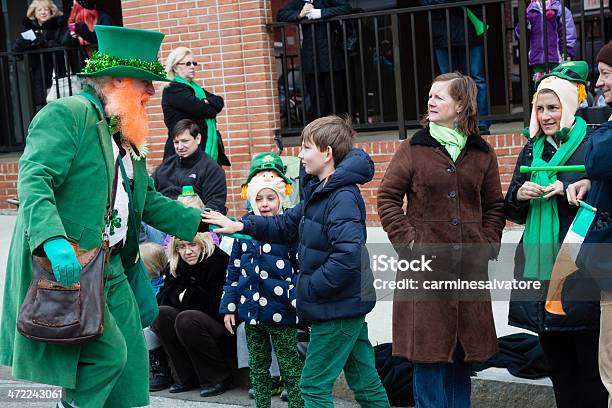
[{"x": 53, "y": 313}]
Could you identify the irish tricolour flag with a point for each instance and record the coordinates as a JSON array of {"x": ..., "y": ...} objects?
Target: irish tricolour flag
[{"x": 565, "y": 264}]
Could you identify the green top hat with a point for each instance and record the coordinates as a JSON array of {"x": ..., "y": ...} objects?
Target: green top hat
[
  {"x": 187, "y": 191},
  {"x": 267, "y": 161},
  {"x": 574, "y": 71},
  {"x": 126, "y": 53}
]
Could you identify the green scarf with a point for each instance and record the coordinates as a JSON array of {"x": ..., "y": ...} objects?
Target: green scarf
[
  {"x": 212, "y": 144},
  {"x": 453, "y": 140},
  {"x": 541, "y": 236}
]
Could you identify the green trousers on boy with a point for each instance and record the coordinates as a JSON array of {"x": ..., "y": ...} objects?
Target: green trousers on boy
[
  {"x": 338, "y": 345},
  {"x": 113, "y": 370},
  {"x": 284, "y": 340}
]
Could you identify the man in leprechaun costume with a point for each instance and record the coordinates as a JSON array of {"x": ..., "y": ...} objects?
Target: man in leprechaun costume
[{"x": 75, "y": 146}]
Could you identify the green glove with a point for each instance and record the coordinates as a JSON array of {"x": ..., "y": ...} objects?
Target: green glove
[{"x": 64, "y": 262}]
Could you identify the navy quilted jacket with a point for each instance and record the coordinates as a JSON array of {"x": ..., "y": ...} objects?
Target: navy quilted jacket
[{"x": 333, "y": 282}]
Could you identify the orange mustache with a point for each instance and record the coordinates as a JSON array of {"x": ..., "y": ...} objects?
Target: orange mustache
[{"x": 128, "y": 103}]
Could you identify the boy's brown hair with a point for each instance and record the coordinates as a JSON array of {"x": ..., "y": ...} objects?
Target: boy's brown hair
[{"x": 333, "y": 131}]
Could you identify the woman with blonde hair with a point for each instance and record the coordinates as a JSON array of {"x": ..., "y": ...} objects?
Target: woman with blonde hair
[
  {"x": 454, "y": 218},
  {"x": 46, "y": 23},
  {"x": 189, "y": 325},
  {"x": 183, "y": 98}
]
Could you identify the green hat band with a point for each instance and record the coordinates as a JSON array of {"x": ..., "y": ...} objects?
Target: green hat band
[{"x": 98, "y": 62}]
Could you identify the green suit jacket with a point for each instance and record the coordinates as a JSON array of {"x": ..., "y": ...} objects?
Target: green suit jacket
[{"x": 65, "y": 183}]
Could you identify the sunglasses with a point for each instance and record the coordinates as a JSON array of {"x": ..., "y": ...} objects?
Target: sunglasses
[{"x": 188, "y": 63}]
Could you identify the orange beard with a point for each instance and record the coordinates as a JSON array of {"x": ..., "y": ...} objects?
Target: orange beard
[{"x": 128, "y": 104}]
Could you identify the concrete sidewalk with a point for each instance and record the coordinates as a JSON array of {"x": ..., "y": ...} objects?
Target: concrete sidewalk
[{"x": 492, "y": 387}]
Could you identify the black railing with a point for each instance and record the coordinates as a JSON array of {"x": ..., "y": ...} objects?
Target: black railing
[
  {"x": 388, "y": 59},
  {"x": 27, "y": 81}
]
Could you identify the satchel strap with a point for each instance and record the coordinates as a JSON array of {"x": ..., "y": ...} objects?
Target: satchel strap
[{"x": 128, "y": 189}]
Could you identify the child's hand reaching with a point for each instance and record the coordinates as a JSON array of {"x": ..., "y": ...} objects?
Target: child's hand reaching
[
  {"x": 227, "y": 226},
  {"x": 230, "y": 322}
]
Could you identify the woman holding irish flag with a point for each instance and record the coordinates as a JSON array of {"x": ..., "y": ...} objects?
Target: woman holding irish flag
[{"x": 538, "y": 200}]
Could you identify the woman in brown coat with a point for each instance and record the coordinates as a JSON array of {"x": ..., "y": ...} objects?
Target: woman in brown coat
[{"x": 454, "y": 217}]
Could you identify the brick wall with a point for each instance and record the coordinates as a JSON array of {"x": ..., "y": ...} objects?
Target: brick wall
[
  {"x": 8, "y": 182},
  {"x": 230, "y": 40}
]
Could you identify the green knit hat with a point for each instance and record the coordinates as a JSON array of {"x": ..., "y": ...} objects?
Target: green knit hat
[
  {"x": 574, "y": 71},
  {"x": 126, "y": 53},
  {"x": 267, "y": 161}
]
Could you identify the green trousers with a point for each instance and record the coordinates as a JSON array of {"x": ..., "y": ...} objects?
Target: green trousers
[
  {"x": 338, "y": 345},
  {"x": 284, "y": 340},
  {"x": 113, "y": 370}
]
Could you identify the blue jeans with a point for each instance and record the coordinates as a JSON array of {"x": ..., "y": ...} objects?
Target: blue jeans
[
  {"x": 476, "y": 72},
  {"x": 442, "y": 385}
]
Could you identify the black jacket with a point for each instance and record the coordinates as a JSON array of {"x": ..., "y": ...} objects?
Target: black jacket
[
  {"x": 82, "y": 30},
  {"x": 457, "y": 27},
  {"x": 179, "y": 102},
  {"x": 329, "y": 8},
  {"x": 527, "y": 306},
  {"x": 48, "y": 35},
  {"x": 202, "y": 283},
  {"x": 197, "y": 170}
]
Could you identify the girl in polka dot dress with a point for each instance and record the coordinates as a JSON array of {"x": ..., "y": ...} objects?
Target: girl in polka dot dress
[{"x": 260, "y": 289}]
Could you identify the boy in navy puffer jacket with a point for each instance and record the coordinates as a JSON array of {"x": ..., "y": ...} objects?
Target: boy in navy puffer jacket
[
  {"x": 260, "y": 288},
  {"x": 335, "y": 287}
]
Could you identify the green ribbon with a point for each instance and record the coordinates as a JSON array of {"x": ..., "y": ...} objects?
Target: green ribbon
[
  {"x": 212, "y": 144},
  {"x": 541, "y": 237}
]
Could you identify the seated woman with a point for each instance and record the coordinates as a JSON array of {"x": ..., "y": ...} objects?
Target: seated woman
[{"x": 189, "y": 325}]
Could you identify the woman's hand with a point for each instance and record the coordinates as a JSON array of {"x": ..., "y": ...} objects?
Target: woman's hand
[
  {"x": 577, "y": 191},
  {"x": 230, "y": 321},
  {"x": 555, "y": 188},
  {"x": 528, "y": 191},
  {"x": 227, "y": 226},
  {"x": 306, "y": 9}
]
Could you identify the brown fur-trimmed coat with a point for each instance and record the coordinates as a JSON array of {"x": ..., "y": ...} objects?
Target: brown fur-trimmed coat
[{"x": 455, "y": 215}]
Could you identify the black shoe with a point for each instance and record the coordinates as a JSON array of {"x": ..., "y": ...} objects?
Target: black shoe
[
  {"x": 215, "y": 389},
  {"x": 176, "y": 388},
  {"x": 160, "y": 382},
  {"x": 160, "y": 377}
]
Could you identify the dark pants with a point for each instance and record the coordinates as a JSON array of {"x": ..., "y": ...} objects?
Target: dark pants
[
  {"x": 193, "y": 340},
  {"x": 572, "y": 357},
  {"x": 443, "y": 385},
  {"x": 325, "y": 106}
]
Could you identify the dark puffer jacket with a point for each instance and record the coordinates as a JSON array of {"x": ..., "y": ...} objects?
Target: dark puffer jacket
[
  {"x": 527, "y": 306},
  {"x": 329, "y": 224},
  {"x": 595, "y": 258},
  {"x": 260, "y": 283}
]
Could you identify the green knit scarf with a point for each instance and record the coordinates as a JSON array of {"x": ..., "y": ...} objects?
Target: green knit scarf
[
  {"x": 453, "y": 140},
  {"x": 541, "y": 236},
  {"x": 212, "y": 144}
]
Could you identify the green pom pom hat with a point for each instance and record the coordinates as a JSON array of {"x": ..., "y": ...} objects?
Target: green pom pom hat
[{"x": 126, "y": 53}]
